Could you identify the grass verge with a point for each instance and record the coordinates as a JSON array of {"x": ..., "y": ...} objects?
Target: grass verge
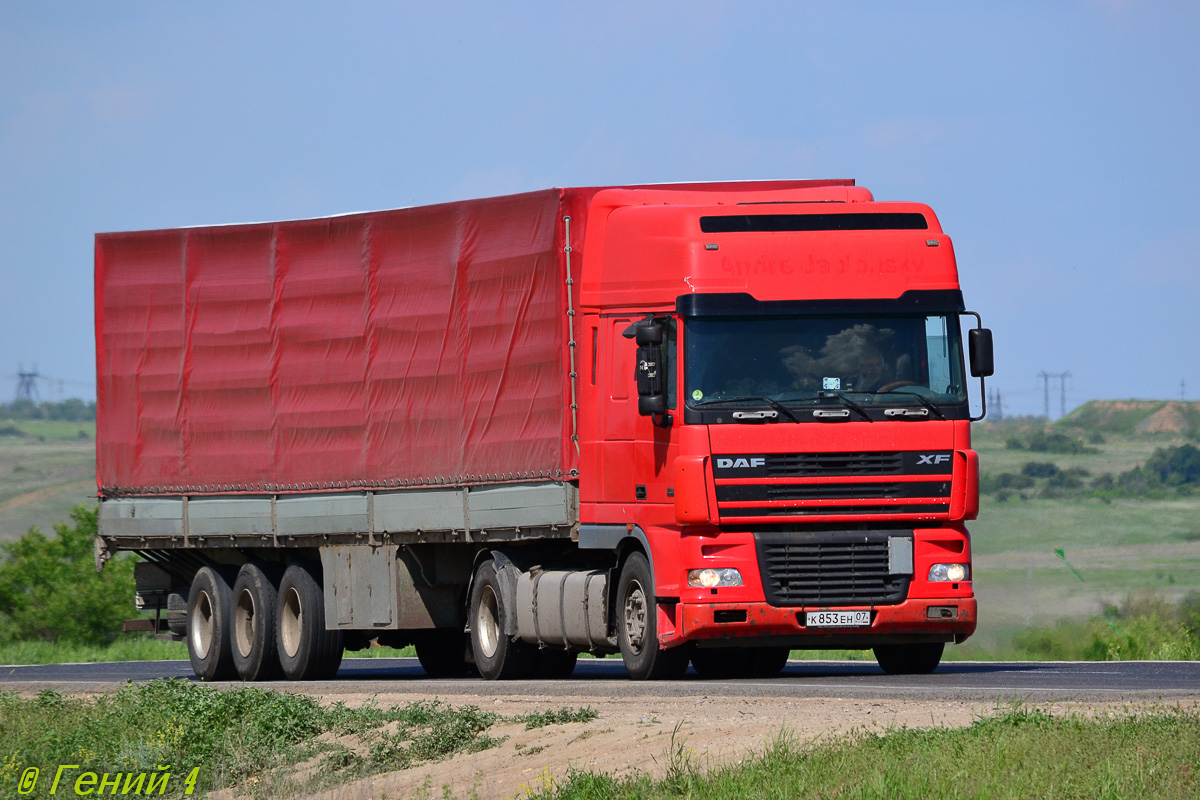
[
  {"x": 126, "y": 647},
  {"x": 267, "y": 743},
  {"x": 1022, "y": 753}
]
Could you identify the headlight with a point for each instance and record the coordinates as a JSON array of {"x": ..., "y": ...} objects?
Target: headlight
[
  {"x": 709, "y": 578},
  {"x": 950, "y": 572}
]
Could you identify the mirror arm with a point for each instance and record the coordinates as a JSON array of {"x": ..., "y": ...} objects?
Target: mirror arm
[{"x": 982, "y": 383}]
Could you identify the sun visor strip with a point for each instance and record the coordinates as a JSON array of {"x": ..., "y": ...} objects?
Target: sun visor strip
[{"x": 740, "y": 304}]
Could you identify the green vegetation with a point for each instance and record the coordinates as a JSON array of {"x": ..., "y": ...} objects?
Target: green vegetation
[
  {"x": 1143, "y": 628},
  {"x": 70, "y": 410},
  {"x": 1023, "y": 753},
  {"x": 540, "y": 719},
  {"x": 1038, "y": 440},
  {"x": 254, "y": 738},
  {"x": 1131, "y": 417},
  {"x": 50, "y": 590},
  {"x": 1126, "y": 544},
  {"x": 125, "y": 647},
  {"x": 1169, "y": 471}
]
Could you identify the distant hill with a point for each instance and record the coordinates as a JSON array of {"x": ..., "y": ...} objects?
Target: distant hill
[{"x": 1135, "y": 417}]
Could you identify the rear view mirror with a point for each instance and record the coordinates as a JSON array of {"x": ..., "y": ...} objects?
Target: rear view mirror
[
  {"x": 651, "y": 389},
  {"x": 648, "y": 333},
  {"x": 979, "y": 345}
]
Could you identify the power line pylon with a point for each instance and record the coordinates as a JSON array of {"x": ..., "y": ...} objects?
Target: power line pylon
[{"x": 27, "y": 383}]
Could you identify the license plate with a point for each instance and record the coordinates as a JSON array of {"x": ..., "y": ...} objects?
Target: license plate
[{"x": 838, "y": 619}]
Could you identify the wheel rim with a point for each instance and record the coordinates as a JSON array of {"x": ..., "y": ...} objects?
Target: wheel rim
[
  {"x": 291, "y": 622},
  {"x": 243, "y": 623},
  {"x": 487, "y": 622},
  {"x": 635, "y": 617},
  {"x": 201, "y": 623}
]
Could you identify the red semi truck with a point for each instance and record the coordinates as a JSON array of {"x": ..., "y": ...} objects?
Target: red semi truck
[{"x": 694, "y": 423}]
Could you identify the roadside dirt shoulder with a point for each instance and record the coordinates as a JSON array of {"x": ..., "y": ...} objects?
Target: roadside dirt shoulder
[{"x": 646, "y": 735}]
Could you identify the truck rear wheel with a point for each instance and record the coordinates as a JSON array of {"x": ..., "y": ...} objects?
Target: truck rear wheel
[
  {"x": 497, "y": 656},
  {"x": 909, "y": 659},
  {"x": 208, "y": 621},
  {"x": 307, "y": 651},
  {"x": 255, "y": 596},
  {"x": 739, "y": 662},
  {"x": 637, "y": 626}
]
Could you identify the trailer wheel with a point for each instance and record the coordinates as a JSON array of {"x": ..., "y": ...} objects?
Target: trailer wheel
[
  {"x": 255, "y": 597},
  {"x": 497, "y": 656},
  {"x": 555, "y": 663},
  {"x": 637, "y": 626},
  {"x": 208, "y": 623},
  {"x": 307, "y": 651},
  {"x": 739, "y": 662},
  {"x": 442, "y": 653},
  {"x": 909, "y": 659}
]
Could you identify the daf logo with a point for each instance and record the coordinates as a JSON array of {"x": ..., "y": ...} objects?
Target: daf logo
[
  {"x": 933, "y": 458},
  {"x": 740, "y": 463}
]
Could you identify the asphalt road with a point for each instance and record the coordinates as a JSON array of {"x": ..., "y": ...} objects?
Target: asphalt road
[{"x": 953, "y": 680}]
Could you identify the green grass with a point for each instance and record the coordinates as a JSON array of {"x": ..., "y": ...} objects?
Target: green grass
[
  {"x": 49, "y": 430},
  {"x": 127, "y": 647},
  {"x": 41, "y": 481},
  {"x": 268, "y": 743},
  {"x": 1018, "y": 754},
  {"x": 1122, "y": 548},
  {"x": 134, "y": 647}
]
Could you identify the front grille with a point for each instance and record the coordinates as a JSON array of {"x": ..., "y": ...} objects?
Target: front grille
[
  {"x": 828, "y": 568},
  {"x": 757, "y": 492},
  {"x": 925, "y": 509},
  {"x": 803, "y": 465}
]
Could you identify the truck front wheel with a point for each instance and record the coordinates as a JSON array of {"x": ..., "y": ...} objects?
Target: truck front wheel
[
  {"x": 255, "y": 596},
  {"x": 307, "y": 651},
  {"x": 497, "y": 656},
  {"x": 909, "y": 659},
  {"x": 637, "y": 626},
  {"x": 208, "y": 622}
]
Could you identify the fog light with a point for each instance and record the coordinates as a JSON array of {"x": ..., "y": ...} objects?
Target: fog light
[
  {"x": 950, "y": 572},
  {"x": 709, "y": 578}
]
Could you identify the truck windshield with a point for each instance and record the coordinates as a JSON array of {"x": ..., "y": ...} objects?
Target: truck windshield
[{"x": 877, "y": 360}]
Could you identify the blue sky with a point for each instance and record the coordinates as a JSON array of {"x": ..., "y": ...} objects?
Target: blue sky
[{"x": 1057, "y": 142}]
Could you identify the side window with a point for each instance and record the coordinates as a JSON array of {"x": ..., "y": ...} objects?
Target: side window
[
  {"x": 621, "y": 373},
  {"x": 937, "y": 346},
  {"x": 672, "y": 365}
]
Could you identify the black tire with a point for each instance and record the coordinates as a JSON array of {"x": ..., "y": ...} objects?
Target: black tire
[
  {"x": 442, "y": 653},
  {"x": 637, "y": 627},
  {"x": 307, "y": 651},
  {"x": 253, "y": 629},
  {"x": 210, "y": 601},
  {"x": 767, "y": 662},
  {"x": 555, "y": 663},
  {"x": 497, "y": 656},
  {"x": 909, "y": 659}
]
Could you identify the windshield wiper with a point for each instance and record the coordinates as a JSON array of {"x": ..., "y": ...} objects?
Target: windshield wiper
[
  {"x": 851, "y": 405},
  {"x": 775, "y": 404},
  {"x": 925, "y": 401}
]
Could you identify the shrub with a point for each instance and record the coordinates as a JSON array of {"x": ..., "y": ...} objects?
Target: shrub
[
  {"x": 1043, "y": 442},
  {"x": 1174, "y": 466},
  {"x": 50, "y": 590},
  {"x": 1039, "y": 469}
]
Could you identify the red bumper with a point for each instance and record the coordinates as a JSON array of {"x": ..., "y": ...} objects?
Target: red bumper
[{"x": 910, "y": 618}]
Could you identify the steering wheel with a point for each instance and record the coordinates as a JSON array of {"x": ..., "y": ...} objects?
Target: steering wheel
[{"x": 887, "y": 387}]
